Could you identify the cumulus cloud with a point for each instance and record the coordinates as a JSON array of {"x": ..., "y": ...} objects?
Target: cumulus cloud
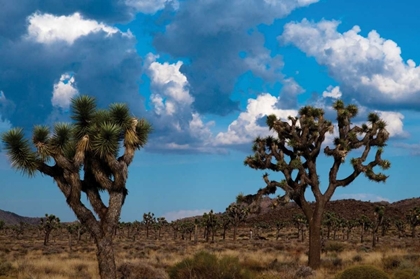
[
  {"x": 150, "y": 6},
  {"x": 64, "y": 91},
  {"x": 394, "y": 121},
  {"x": 197, "y": 30},
  {"x": 29, "y": 70},
  {"x": 177, "y": 126},
  {"x": 332, "y": 92},
  {"x": 13, "y": 14},
  {"x": 246, "y": 128},
  {"x": 175, "y": 215},
  {"x": 48, "y": 28},
  {"x": 369, "y": 69}
]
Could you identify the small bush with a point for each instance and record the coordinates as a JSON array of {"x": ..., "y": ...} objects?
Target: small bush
[
  {"x": 141, "y": 271},
  {"x": 304, "y": 272},
  {"x": 332, "y": 263},
  {"x": 205, "y": 265},
  {"x": 403, "y": 274},
  {"x": 5, "y": 268},
  {"x": 334, "y": 246},
  {"x": 362, "y": 272},
  {"x": 357, "y": 258},
  {"x": 392, "y": 262}
]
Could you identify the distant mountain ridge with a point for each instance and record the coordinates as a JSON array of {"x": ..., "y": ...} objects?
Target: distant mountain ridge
[
  {"x": 11, "y": 218},
  {"x": 346, "y": 208}
]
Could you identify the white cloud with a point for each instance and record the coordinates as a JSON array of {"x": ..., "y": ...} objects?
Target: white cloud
[
  {"x": 183, "y": 127},
  {"x": 414, "y": 148},
  {"x": 394, "y": 121},
  {"x": 370, "y": 68},
  {"x": 175, "y": 215},
  {"x": 48, "y": 28},
  {"x": 332, "y": 92},
  {"x": 64, "y": 91},
  {"x": 169, "y": 87},
  {"x": 150, "y": 6},
  {"x": 245, "y": 129}
]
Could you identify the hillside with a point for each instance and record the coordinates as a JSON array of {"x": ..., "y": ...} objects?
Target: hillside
[
  {"x": 11, "y": 218},
  {"x": 347, "y": 208}
]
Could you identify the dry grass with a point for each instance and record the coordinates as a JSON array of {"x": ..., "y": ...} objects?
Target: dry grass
[{"x": 27, "y": 258}]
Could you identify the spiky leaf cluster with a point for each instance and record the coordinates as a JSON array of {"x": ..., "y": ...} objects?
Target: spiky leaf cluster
[{"x": 95, "y": 136}]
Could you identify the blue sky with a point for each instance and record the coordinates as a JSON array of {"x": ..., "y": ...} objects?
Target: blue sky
[{"x": 205, "y": 73}]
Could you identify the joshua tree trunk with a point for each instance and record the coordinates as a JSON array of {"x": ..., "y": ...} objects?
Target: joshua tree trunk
[
  {"x": 315, "y": 245},
  {"x": 235, "y": 232},
  {"x": 70, "y": 242},
  {"x": 195, "y": 233},
  {"x": 105, "y": 255},
  {"x": 46, "y": 237}
]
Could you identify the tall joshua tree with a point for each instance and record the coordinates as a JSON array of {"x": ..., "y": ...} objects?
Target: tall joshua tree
[
  {"x": 85, "y": 157},
  {"x": 295, "y": 150},
  {"x": 148, "y": 221},
  {"x": 237, "y": 213},
  {"x": 379, "y": 214},
  {"x": 48, "y": 224}
]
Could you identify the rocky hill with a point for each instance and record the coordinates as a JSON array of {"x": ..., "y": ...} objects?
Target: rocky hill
[
  {"x": 347, "y": 209},
  {"x": 11, "y": 218}
]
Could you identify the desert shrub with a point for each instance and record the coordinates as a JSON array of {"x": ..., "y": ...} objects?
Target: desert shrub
[
  {"x": 391, "y": 262},
  {"x": 141, "y": 271},
  {"x": 362, "y": 272},
  {"x": 404, "y": 274},
  {"x": 254, "y": 264},
  {"x": 412, "y": 257},
  {"x": 332, "y": 263},
  {"x": 357, "y": 258},
  {"x": 5, "y": 268},
  {"x": 304, "y": 272},
  {"x": 334, "y": 246},
  {"x": 205, "y": 265}
]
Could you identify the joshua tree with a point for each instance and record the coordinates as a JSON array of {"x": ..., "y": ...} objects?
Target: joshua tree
[
  {"x": 2, "y": 224},
  {"x": 329, "y": 220},
  {"x": 300, "y": 222},
  {"x": 350, "y": 224},
  {"x": 379, "y": 218},
  {"x": 148, "y": 221},
  {"x": 237, "y": 213},
  {"x": 294, "y": 152},
  {"x": 19, "y": 229},
  {"x": 159, "y": 224},
  {"x": 413, "y": 219},
  {"x": 136, "y": 228},
  {"x": 279, "y": 226},
  {"x": 386, "y": 224},
  {"x": 225, "y": 223},
  {"x": 365, "y": 224},
  {"x": 210, "y": 225},
  {"x": 86, "y": 158},
  {"x": 48, "y": 224},
  {"x": 71, "y": 229},
  {"x": 175, "y": 225},
  {"x": 400, "y": 225}
]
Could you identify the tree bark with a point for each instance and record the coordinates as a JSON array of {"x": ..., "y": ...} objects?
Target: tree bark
[
  {"x": 105, "y": 256},
  {"x": 315, "y": 243},
  {"x": 314, "y": 256}
]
